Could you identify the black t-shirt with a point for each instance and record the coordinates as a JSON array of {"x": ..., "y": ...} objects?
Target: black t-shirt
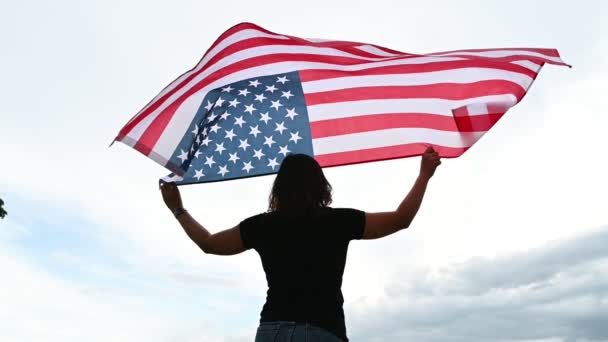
[{"x": 304, "y": 262}]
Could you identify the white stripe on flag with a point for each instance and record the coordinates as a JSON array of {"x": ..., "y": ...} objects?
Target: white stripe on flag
[
  {"x": 174, "y": 178},
  {"x": 374, "y": 50},
  {"x": 393, "y": 137},
  {"x": 317, "y": 40},
  {"x": 528, "y": 64},
  {"x": 463, "y": 75}
]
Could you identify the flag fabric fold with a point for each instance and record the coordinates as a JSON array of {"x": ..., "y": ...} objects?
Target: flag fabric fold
[{"x": 257, "y": 96}]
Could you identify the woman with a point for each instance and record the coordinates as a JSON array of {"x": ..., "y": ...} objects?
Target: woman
[{"x": 302, "y": 243}]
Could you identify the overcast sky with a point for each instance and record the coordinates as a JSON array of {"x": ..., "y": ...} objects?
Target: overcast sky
[{"x": 510, "y": 243}]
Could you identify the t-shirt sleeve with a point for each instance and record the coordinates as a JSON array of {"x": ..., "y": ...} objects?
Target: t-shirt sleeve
[
  {"x": 351, "y": 223},
  {"x": 251, "y": 234}
]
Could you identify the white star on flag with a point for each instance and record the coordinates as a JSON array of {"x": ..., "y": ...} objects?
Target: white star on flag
[
  {"x": 215, "y": 128},
  {"x": 287, "y": 94},
  {"x": 198, "y": 174},
  {"x": 209, "y": 105},
  {"x": 276, "y": 104},
  {"x": 244, "y": 144},
  {"x": 247, "y": 166},
  {"x": 255, "y": 83},
  {"x": 265, "y": 117},
  {"x": 183, "y": 156},
  {"x": 226, "y": 115},
  {"x": 258, "y": 154},
  {"x": 272, "y": 163},
  {"x": 295, "y": 137},
  {"x": 223, "y": 170},
  {"x": 239, "y": 121},
  {"x": 219, "y": 148},
  {"x": 268, "y": 141},
  {"x": 234, "y": 157},
  {"x": 291, "y": 113},
  {"x": 260, "y": 97},
  {"x": 254, "y": 131},
  {"x": 230, "y": 134},
  {"x": 233, "y": 103},
  {"x": 249, "y": 109},
  {"x": 280, "y": 127},
  {"x": 284, "y": 150},
  {"x": 209, "y": 161}
]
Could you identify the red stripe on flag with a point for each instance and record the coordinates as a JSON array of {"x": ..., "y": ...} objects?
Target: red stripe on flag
[
  {"x": 146, "y": 142},
  {"x": 360, "y": 53},
  {"x": 325, "y": 43},
  {"x": 512, "y": 58},
  {"x": 385, "y": 153},
  {"x": 366, "y": 123},
  {"x": 237, "y": 28},
  {"x": 449, "y": 91}
]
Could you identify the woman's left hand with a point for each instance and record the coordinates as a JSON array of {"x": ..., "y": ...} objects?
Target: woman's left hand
[{"x": 171, "y": 195}]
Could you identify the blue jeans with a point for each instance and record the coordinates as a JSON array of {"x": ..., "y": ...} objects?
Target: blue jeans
[{"x": 282, "y": 331}]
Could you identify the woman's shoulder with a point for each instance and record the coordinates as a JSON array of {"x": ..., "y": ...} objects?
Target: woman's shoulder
[
  {"x": 257, "y": 217},
  {"x": 344, "y": 211}
]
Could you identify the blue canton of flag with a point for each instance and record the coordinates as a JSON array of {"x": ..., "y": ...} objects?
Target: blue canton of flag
[{"x": 244, "y": 129}]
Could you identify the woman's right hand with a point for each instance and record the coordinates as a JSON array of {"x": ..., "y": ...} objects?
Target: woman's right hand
[
  {"x": 171, "y": 196},
  {"x": 428, "y": 164}
]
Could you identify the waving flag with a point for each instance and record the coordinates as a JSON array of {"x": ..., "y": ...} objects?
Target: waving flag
[{"x": 257, "y": 96}]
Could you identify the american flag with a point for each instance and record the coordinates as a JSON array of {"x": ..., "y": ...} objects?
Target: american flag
[{"x": 256, "y": 96}]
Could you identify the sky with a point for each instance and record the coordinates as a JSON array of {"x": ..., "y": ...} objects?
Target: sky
[{"x": 509, "y": 245}]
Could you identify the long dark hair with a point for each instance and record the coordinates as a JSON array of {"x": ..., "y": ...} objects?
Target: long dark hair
[{"x": 300, "y": 187}]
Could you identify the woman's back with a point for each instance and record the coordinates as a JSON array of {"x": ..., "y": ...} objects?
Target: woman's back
[
  {"x": 304, "y": 260},
  {"x": 303, "y": 244}
]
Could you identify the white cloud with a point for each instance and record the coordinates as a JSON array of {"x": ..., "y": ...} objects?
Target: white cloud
[
  {"x": 557, "y": 291},
  {"x": 39, "y": 305}
]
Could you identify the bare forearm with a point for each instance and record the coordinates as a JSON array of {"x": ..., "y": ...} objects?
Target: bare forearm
[
  {"x": 379, "y": 225},
  {"x": 197, "y": 233},
  {"x": 408, "y": 208}
]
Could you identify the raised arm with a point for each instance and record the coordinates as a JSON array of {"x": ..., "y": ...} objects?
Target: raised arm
[
  {"x": 227, "y": 242},
  {"x": 379, "y": 225}
]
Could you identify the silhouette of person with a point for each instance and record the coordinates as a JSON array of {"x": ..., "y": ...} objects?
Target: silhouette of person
[{"x": 302, "y": 243}]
